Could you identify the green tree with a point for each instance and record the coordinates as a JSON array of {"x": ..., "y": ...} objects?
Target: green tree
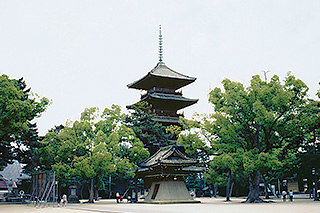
[
  {"x": 59, "y": 148},
  {"x": 309, "y": 153},
  {"x": 92, "y": 148},
  {"x": 264, "y": 121},
  {"x": 27, "y": 154},
  {"x": 18, "y": 107},
  {"x": 309, "y": 156},
  {"x": 131, "y": 147},
  {"x": 224, "y": 167},
  {"x": 193, "y": 141},
  {"x": 102, "y": 147},
  {"x": 94, "y": 166},
  {"x": 152, "y": 133}
]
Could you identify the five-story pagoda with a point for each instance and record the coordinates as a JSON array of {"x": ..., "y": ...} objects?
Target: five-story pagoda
[{"x": 164, "y": 172}]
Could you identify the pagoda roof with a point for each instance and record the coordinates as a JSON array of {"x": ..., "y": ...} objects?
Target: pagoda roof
[
  {"x": 168, "y": 101},
  {"x": 169, "y": 156},
  {"x": 163, "y": 77}
]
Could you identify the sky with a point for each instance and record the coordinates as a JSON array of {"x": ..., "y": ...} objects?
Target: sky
[{"x": 82, "y": 54}]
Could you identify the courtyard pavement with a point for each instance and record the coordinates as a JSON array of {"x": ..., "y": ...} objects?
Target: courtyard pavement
[{"x": 300, "y": 204}]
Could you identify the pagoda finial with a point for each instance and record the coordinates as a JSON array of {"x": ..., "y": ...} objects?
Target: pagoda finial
[{"x": 160, "y": 44}]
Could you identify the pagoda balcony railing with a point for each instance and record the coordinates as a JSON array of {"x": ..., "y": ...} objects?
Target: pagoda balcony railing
[
  {"x": 161, "y": 90},
  {"x": 162, "y": 119},
  {"x": 167, "y": 113}
]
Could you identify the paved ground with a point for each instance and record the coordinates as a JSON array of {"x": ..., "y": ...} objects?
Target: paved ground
[{"x": 301, "y": 204}]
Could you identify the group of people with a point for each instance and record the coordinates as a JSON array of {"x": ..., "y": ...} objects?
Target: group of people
[
  {"x": 284, "y": 195},
  {"x": 64, "y": 201},
  {"x": 119, "y": 198}
]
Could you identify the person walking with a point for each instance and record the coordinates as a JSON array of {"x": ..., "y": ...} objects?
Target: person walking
[
  {"x": 64, "y": 200},
  {"x": 291, "y": 195},
  {"x": 284, "y": 195},
  {"x": 118, "y": 197}
]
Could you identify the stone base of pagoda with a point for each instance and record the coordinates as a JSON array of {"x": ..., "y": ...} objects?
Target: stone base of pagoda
[{"x": 164, "y": 192}]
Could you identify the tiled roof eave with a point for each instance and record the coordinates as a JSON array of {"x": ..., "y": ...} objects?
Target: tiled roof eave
[
  {"x": 162, "y": 66},
  {"x": 137, "y": 84},
  {"x": 133, "y": 84},
  {"x": 189, "y": 79},
  {"x": 160, "y": 158},
  {"x": 169, "y": 164},
  {"x": 162, "y": 96}
]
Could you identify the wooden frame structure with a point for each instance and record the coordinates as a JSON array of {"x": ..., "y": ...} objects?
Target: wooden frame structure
[{"x": 43, "y": 188}]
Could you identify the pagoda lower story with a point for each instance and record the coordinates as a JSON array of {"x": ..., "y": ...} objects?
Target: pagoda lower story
[
  {"x": 164, "y": 174},
  {"x": 169, "y": 191}
]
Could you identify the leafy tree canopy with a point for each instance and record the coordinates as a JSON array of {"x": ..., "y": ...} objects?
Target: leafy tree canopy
[
  {"x": 263, "y": 125},
  {"x": 93, "y": 147},
  {"x": 152, "y": 133},
  {"x": 194, "y": 142},
  {"x": 18, "y": 107}
]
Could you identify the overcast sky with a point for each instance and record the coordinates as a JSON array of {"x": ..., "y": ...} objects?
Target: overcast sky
[{"x": 83, "y": 53}]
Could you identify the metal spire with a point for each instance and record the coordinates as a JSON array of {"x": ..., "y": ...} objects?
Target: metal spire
[{"x": 160, "y": 44}]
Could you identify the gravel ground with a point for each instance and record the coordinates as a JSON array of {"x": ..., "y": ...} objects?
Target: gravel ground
[{"x": 300, "y": 204}]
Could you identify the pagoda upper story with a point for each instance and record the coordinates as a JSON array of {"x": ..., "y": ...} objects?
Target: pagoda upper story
[{"x": 160, "y": 86}]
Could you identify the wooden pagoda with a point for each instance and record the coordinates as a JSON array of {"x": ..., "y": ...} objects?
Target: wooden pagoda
[{"x": 164, "y": 172}]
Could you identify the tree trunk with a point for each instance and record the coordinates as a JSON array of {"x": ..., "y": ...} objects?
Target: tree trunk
[
  {"x": 236, "y": 189},
  {"x": 215, "y": 189},
  {"x": 59, "y": 191},
  {"x": 110, "y": 194},
  {"x": 81, "y": 191},
  {"x": 253, "y": 196},
  {"x": 228, "y": 187},
  {"x": 91, "y": 191},
  {"x": 230, "y": 193},
  {"x": 136, "y": 189},
  {"x": 266, "y": 187},
  {"x": 97, "y": 194}
]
